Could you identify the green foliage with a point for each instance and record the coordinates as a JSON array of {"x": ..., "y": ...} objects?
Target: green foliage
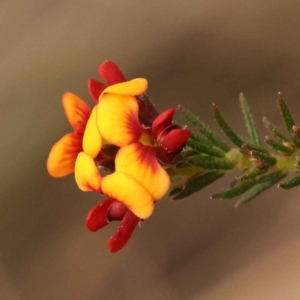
[
  {"x": 264, "y": 158},
  {"x": 196, "y": 184},
  {"x": 279, "y": 147},
  {"x": 262, "y": 184},
  {"x": 253, "y": 135},
  {"x": 201, "y": 146},
  {"x": 204, "y": 129},
  {"x": 211, "y": 163},
  {"x": 208, "y": 158},
  {"x": 251, "y": 174},
  {"x": 280, "y": 137},
  {"x": 235, "y": 139},
  {"x": 295, "y": 181}
]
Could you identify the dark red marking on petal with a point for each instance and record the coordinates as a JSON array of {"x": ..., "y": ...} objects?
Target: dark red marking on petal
[
  {"x": 139, "y": 155},
  {"x": 124, "y": 232},
  {"x": 174, "y": 140},
  {"x": 95, "y": 89},
  {"x": 162, "y": 121},
  {"x": 111, "y": 73},
  {"x": 147, "y": 112},
  {"x": 97, "y": 217}
]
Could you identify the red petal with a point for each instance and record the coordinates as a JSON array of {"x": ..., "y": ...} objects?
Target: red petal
[
  {"x": 95, "y": 89},
  {"x": 125, "y": 230},
  {"x": 116, "y": 211},
  {"x": 97, "y": 217},
  {"x": 111, "y": 73},
  {"x": 174, "y": 140},
  {"x": 162, "y": 121}
]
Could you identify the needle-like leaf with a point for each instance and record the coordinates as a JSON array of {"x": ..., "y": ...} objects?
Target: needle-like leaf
[
  {"x": 288, "y": 119},
  {"x": 204, "y": 129},
  {"x": 226, "y": 129},
  {"x": 211, "y": 163},
  {"x": 253, "y": 135},
  {"x": 266, "y": 159},
  {"x": 295, "y": 181},
  {"x": 236, "y": 191},
  {"x": 203, "y": 147},
  {"x": 264, "y": 183},
  {"x": 280, "y": 137},
  {"x": 198, "y": 183}
]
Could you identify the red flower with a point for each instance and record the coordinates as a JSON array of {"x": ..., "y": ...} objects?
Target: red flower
[
  {"x": 169, "y": 136},
  {"x": 109, "y": 210}
]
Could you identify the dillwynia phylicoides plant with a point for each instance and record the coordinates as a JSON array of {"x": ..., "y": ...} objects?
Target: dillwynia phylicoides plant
[{"x": 124, "y": 149}]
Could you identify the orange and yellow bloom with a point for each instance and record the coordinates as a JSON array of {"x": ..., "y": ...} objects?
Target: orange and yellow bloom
[
  {"x": 138, "y": 178},
  {"x": 62, "y": 157}
]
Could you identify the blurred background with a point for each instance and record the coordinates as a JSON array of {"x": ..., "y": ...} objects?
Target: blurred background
[{"x": 192, "y": 52}]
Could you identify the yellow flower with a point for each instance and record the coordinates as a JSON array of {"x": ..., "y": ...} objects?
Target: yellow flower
[
  {"x": 139, "y": 180},
  {"x": 124, "y": 134}
]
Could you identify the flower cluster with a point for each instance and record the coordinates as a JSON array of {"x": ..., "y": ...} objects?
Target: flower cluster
[{"x": 120, "y": 148}]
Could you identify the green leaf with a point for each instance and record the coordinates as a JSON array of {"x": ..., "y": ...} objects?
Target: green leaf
[
  {"x": 211, "y": 163},
  {"x": 254, "y": 147},
  {"x": 189, "y": 153},
  {"x": 204, "y": 129},
  {"x": 198, "y": 183},
  {"x": 252, "y": 174},
  {"x": 175, "y": 191},
  {"x": 280, "y": 137},
  {"x": 181, "y": 175},
  {"x": 264, "y": 183},
  {"x": 236, "y": 191},
  {"x": 271, "y": 177},
  {"x": 293, "y": 182},
  {"x": 197, "y": 138},
  {"x": 226, "y": 129},
  {"x": 253, "y": 135},
  {"x": 288, "y": 119},
  {"x": 205, "y": 148},
  {"x": 266, "y": 159},
  {"x": 279, "y": 147}
]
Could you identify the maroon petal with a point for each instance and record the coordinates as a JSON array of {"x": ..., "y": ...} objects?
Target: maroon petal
[
  {"x": 111, "y": 73},
  {"x": 124, "y": 232},
  {"x": 116, "y": 211},
  {"x": 162, "y": 121},
  {"x": 97, "y": 217},
  {"x": 174, "y": 140},
  {"x": 95, "y": 89}
]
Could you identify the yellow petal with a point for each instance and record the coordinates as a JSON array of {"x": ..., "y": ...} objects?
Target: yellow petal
[
  {"x": 77, "y": 111},
  {"x": 128, "y": 191},
  {"x": 87, "y": 175},
  {"x": 61, "y": 159},
  {"x": 139, "y": 162},
  {"x": 117, "y": 119},
  {"x": 92, "y": 141},
  {"x": 133, "y": 87}
]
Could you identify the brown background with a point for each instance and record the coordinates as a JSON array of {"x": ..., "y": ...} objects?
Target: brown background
[{"x": 192, "y": 52}]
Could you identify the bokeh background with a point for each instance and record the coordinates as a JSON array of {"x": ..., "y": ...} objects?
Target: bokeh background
[{"x": 194, "y": 53}]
